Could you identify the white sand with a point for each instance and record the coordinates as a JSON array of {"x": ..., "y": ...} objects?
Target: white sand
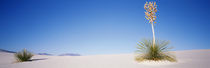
[{"x": 186, "y": 59}]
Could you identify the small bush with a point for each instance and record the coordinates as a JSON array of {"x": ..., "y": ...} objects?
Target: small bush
[
  {"x": 146, "y": 51},
  {"x": 23, "y": 55}
]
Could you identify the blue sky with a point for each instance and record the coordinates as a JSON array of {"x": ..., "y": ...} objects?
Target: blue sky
[{"x": 91, "y": 27}]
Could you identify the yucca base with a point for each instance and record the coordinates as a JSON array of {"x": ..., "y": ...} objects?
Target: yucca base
[{"x": 159, "y": 52}]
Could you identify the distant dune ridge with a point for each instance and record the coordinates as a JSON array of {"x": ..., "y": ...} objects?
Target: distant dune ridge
[
  {"x": 45, "y": 54},
  {"x": 7, "y": 51},
  {"x": 65, "y": 54},
  {"x": 70, "y": 54},
  {"x": 186, "y": 59}
]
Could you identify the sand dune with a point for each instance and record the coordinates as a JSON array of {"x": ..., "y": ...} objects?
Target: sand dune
[{"x": 186, "y": 59}]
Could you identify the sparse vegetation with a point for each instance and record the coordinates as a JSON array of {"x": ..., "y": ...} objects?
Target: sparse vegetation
[
  {"x": 146, "y": 51},
  {"x": 23, "y": 55}
]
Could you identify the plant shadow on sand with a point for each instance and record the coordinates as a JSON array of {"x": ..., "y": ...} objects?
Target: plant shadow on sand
[
  {"x": 32, "y": 60},
  {"x": 38, "y": 59}
]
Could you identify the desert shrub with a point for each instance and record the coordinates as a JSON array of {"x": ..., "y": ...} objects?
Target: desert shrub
[
  {"x": 23, "y": 55},
  {"x": 146, "y": 51}
]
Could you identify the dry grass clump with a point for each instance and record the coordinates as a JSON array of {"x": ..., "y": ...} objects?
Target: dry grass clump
[{"x": 23, "y": 56}]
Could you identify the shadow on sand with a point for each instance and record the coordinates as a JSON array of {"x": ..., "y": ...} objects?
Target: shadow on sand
[
  {"x": 32, "y": 60},
  {"x": 38, "y": 59}
]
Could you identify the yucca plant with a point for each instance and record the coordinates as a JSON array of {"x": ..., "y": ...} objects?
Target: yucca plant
[
  {"x": 153, "y": 50},
  {"x": 23, "y": 55},
  {"x": 146, "y": 51}
]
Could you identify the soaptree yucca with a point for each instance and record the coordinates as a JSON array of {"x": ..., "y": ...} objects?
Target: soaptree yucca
[
  {"x": 23, "y": 55},
  {"x": 153, "y": 50}
]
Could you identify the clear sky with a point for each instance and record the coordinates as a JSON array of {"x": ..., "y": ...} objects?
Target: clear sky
[{"x": 91, "y": 27}]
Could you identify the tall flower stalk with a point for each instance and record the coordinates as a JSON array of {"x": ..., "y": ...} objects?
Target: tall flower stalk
[{"x": 150, "y": 15}]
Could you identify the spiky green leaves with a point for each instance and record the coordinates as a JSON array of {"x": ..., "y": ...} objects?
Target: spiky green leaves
[
  {"x": 146, "y": 51},
  {"x": 23, "y": 55}
]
